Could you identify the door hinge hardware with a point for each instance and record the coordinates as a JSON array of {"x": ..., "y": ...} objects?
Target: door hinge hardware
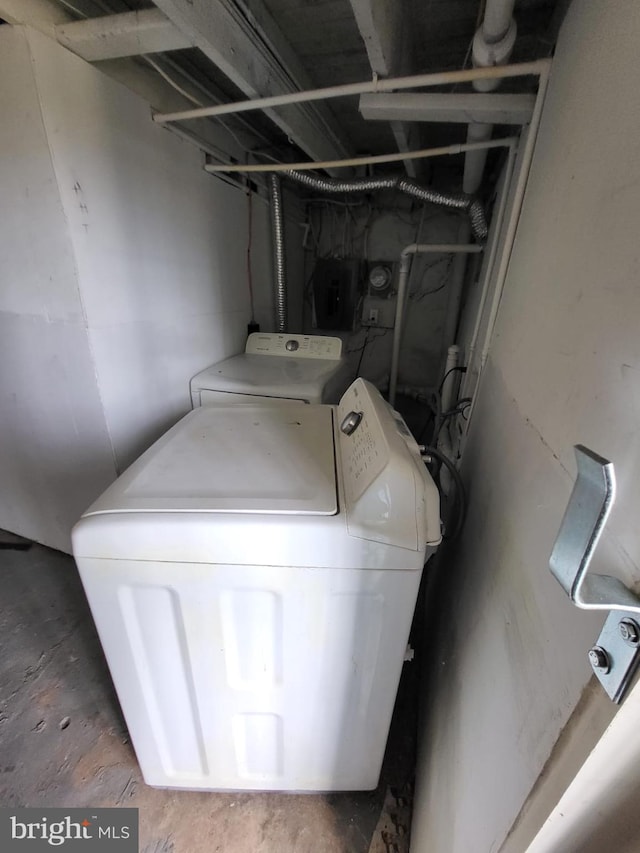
[{"x": 616, "y": 653}]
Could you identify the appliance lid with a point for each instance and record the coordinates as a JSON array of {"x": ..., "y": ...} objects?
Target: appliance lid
[
  {"x": 274, "y": 375},
  {"x": 277, "y": 459}
]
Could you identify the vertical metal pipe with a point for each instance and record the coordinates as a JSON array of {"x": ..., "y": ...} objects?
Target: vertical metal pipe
[
  {"x": 279, "y": 272},
  {"x": 458, "y": 269},
  {"x": 403, "y": 280},
  {"x": 492, "y": 45}
]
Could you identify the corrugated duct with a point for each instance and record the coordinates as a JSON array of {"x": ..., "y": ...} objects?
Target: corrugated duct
[
  {"x": 452, "y": 201},
  {"x": 280, "y": 280}
]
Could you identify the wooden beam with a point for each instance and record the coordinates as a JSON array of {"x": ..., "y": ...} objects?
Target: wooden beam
[
  {"x": 252, "y": 52},
  {"x": 467, "y": 108},
  {"x": 115, "y": 36},
  {"x": 381, "y": 27},
  {"x": 45, "y": 15},
  {"x": 42, "y": 15}
]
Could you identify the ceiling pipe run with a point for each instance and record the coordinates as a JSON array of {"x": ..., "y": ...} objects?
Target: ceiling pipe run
[
  {"x": 389, "y": 84},
  {"x": 473, "y": 376},
  {"x": 492, "y": 46},
  {"x": 369, "y": 160}
]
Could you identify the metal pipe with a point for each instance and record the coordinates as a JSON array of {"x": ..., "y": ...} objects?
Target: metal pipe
[
  {"x": 307, "y": 165},
  {"x": 512, "y": 225},
  {"x": 455, "y": 288},
  {"x": 450, "y": 375},
  {"x": 403, "y": 278},
  {"x": 492, "y": 46},
  {"x": 499, "y": 218},
  {"x": 279, "y": 272},
  {"x": 476, "y": 159},
  {"x": 513, "y": 221},
  {"x": 389, "y": 84},
  {"x": 497, "y": 19}
]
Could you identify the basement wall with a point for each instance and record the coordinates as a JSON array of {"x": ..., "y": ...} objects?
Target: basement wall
[
  {"x": 375, "y": 233},
  {"x": 123, "y": 270},
  {"x": 507, "y": 660}
]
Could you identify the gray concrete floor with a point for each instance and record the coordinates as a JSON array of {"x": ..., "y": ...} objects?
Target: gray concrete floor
[{"x": 63, "y": 741}]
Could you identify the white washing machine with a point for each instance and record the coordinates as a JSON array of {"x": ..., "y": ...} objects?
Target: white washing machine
[
  {"x": 310, "y": 368},
  {"x": 253, "y": 578}
]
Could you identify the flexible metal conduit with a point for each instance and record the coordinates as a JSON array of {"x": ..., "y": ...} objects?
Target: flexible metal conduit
[
  {"x": 277, "y": 227},
  {"x": 403, "y": 279},
  {"x": 450, "y": 200}
]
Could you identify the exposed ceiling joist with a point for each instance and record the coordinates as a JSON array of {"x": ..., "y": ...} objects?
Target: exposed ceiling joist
[
  {"x": 254, "y": 55},
  {"x": 467, "y": 108},
  {"x": 380, "y": 25},
  {"x": 379, "y": 22},
  {"x": 45, "y": 16},
  {"x": 42, "y": 15},
  {"x": 128, "y": 34}
]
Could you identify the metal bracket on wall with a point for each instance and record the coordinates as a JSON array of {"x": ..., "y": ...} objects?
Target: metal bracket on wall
[{"x": 616, "y": 653}]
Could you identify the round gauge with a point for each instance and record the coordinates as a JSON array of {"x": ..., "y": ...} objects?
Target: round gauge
[{"x": 379, "y": 277}]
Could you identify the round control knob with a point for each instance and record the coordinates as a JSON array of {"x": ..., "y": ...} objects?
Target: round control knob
[
  {"x": 351, "y": 422},
  {"x": 291, "y": 346}
]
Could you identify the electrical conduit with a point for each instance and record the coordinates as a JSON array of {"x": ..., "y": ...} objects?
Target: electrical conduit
[{"x": 277, "y": 227}]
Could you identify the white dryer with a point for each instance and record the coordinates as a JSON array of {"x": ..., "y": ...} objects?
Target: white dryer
[
  {"x": 309, "y": 368},
  {"x": 253, "y": 578}
]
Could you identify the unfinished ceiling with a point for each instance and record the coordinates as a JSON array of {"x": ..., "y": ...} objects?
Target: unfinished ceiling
[{"x": 182, "y": 54}]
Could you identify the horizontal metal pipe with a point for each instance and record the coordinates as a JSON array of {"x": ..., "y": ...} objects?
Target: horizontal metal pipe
[
  {"x": 364, "y": 161},
  {"x": 416, "y": 81}
]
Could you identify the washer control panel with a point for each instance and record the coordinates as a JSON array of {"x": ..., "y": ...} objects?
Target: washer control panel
[
  {"x": 363, "y": 447},
  {"x": 298, "y": 346},
  {"x": 389, "y": 495}
]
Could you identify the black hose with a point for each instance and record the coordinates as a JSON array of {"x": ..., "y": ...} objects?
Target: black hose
[{"x": 461, "y": 498}]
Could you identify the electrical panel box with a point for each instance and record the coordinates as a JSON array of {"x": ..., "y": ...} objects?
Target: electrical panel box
[
  {"x": 335, "y": 288},
  {"x": 379, "y": 311}
]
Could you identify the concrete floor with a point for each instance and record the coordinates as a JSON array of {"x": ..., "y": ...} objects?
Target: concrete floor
[{"x": 63, "y": 741}]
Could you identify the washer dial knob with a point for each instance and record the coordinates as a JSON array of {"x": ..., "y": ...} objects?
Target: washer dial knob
[{"x": 351, "y": 422}]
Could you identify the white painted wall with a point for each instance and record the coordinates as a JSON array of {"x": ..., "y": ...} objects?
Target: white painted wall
[
  {"x": 510, "y": 664},
  {"x": 123, "y": 269}
]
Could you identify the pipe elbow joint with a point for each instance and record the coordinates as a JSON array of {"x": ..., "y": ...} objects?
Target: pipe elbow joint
[
  {"x": 405, "y": 257},
  {"x": 487, "y": 53}
]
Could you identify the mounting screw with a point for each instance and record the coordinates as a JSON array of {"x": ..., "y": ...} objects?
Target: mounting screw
[
  {"x": 599, "y": 659},
  {"x": 629, "y": 631}
]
